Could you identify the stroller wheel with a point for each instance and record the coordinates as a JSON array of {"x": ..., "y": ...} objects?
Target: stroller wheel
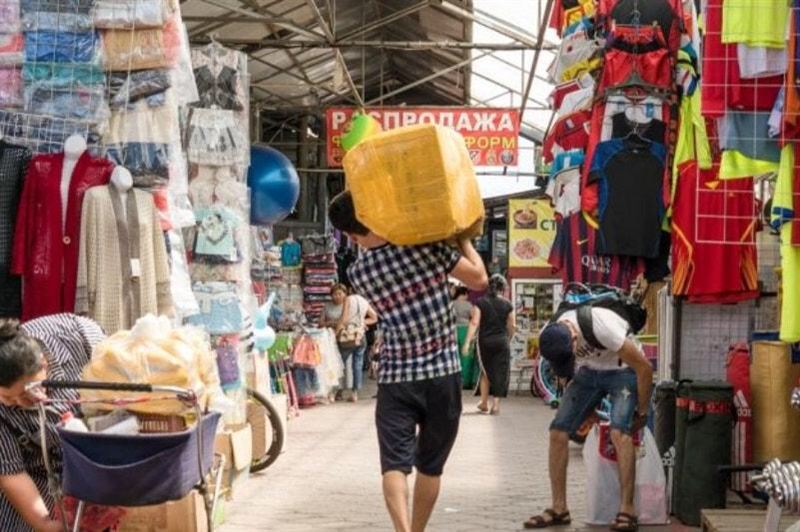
[{"x": 262, "y": 462}]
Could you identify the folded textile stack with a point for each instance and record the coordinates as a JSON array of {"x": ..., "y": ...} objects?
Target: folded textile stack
[{"x": 319, "y": 274}]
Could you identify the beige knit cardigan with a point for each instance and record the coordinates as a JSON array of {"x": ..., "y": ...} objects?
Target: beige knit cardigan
[{"x": 111, "y": 240}]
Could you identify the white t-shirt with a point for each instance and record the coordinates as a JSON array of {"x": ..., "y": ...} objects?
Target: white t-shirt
[
  {"x": 565, "y": 190},
  {"x": 610, "y": 330}
]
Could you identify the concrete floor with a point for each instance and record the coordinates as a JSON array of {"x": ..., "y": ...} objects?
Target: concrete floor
[{"x": 329, "y": 476}]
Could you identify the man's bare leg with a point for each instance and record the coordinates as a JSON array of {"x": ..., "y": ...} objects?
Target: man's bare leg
[
  {"x": 426, "y": 491},
  {"x": 626, "y": 461},
  {"x": 395, "y": 492},
  {"x": 558, "y": 458}
]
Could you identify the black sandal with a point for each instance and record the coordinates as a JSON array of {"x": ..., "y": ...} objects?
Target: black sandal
[
  {"x": 625, "y": 523},
  {"x": 539, "y": 521}
]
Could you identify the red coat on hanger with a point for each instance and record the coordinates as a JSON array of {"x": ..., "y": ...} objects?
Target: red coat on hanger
[{"x": 43, "y": 254}]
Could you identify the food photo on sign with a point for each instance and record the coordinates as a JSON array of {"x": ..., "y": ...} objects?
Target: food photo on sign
[{"x": 532, "y": 230}]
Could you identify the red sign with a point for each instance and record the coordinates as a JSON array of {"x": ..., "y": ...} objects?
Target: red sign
[{"x": 491, "y": 134}]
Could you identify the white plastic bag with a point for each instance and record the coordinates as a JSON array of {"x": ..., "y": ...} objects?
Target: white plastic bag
[{"x": 602, "y": 483}]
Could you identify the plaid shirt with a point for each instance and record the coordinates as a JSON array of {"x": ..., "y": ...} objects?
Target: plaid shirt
[{"x": 407, "y": 286}]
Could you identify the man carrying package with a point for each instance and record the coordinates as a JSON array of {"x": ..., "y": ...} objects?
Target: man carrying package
[
  {"x": 419, "y": 376},
  {"x": 605, "y": 361}
]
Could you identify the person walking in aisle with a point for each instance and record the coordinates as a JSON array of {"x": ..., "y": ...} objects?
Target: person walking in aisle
[
  {"x": 349, "y": 316},
  {"x": 461, "y": 305},
  {"x": 419, "y": 381},
  {"x": 493, "y": 319}
]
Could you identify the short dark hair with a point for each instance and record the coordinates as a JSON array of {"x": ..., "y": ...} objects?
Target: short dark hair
[
  {"x": 342, "y": 214},
  {"x": 461, "y": 291},
  {"x": 497, "y": 284},
  {"x": 20, "y": 354}
]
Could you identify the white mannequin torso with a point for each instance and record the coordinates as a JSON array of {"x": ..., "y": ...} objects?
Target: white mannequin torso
[
  {"x": 74, "y": 147},
  {"x": 122, "y": 181}
]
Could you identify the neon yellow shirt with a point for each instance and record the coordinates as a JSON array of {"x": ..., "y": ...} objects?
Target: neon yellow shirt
[
  {"x": 755, "y": 22},
  {"x": 587, "y": 65},
  {"x": 735, "y": 165},
  {"x": 790, "y": 255}
]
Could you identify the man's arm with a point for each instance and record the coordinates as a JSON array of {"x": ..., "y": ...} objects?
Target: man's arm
[
  {"x": 470, "y": 269},
  {"x": 24, "y": 496},
  {"x": 634, "y": 358}
]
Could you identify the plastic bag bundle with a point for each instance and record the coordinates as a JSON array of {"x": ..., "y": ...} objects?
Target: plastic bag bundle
[
  {"x": 776, "y": 425},
  {"x": 415, "y": 185},
  {"x": 124, "y": 14},
  {"x": 602, "y": 481},
  {"x": 155, "y": 353}
]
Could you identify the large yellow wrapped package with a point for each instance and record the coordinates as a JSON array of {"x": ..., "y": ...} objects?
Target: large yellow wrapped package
[
  {"x": 415, "y": 185},
  {"x": 776, "y": 425},
  {"x": 155, "y": 353}
]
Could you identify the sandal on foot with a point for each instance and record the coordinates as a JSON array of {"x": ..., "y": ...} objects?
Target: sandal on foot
[
  {"x": 548, "y": 518},
  {"x": 625, "y": 523}
]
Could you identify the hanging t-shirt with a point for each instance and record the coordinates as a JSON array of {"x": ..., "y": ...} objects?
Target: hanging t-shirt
[
  {"x": 736, "y": 165},
  {"x": 574, "y": 49},
  {"x": 630, "y": 174},
  {"x": 748, "y": 133},
  {"x": 564, "y": 188},
  {"x": 755, "y": 22},
  {"x": 568, "y": 133},
  {"x": 667, "y": 14},
  {"x": 784, "y": 216},
  {"x": 291, "y": 253},
  {"x": 713, "y": 226},
  {"x": 760, "y": 61},
  {"x": 574, "y": 255},
  {"x": 560, "y": 91},
  {"x": 654, "y": 130},
  {"x": 565, "y": 160}
]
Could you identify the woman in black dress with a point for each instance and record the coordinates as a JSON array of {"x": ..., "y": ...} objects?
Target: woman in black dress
[{"x": 493, "y": 320}]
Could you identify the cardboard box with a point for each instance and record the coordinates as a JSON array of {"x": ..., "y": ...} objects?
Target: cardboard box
[
  {"x": 237, "y": 447},
  {"x": 262, "y": 429},
  {"x": 185, "y": 515}
]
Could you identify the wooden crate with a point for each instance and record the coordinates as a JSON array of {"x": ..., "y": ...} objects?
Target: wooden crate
[{"x": 739, "y": 520}]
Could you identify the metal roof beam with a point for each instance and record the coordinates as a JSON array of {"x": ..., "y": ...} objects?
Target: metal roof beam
[
  {"x": 339, "y": 57},
  {"x": 502, "y": 29},
  {"x": 265, "y": 17},
  {"x": 397, "y": 15},
  {"x": 391, "y": 45},
  {"x": 426, "y": 79}
]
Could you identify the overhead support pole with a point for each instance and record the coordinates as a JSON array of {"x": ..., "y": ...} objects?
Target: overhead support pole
[
  {"x": 452, "y": 8},
  {"x": 339, "y": 57},
  {"x": 532, "y": 74},
  {"x": 395, "y": 45}
]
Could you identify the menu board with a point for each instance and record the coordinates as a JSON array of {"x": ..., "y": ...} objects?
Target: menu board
[{"x": 532, "y": 230}]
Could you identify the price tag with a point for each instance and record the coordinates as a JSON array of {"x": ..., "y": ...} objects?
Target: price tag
[{"x": 136, "y": 268}]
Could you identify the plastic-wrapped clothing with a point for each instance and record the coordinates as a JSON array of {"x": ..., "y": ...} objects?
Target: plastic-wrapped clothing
[
  {"x": 147, "y": 162},
  {"x": 9, "y": 16},
  {"x": 141, "y": 123},
  {"x": 126, "y": 50},
  {"x": 12, "y": 48},
  {"x": 220, "y": 312},
  {"x": 218, "y": 72},
  {"x": 10, "y": 87},
  {"x": 56, "y": 21},
  {"x": 61, "y": 46},
  {"x": 180, "y": 283},
  {"x": 182, "y": 74},
  {"x": 18, "y": 126},
  {"x": 82, "y": 103},
  {"x": 154, "y": 352},
  {"x": 83, "y": 7},
  {"x": 64, "y": 74},
  {"x": 129, "y": 87},
  {"x": 214, "y": 138},
  {"x": 124, "y": 14},
  {"x": 216, "y": 235}
]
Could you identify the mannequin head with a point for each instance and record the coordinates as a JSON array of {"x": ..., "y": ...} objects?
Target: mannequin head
[
  {"x": 74, "y": 146},
  {"x": 122, "y": 179}
]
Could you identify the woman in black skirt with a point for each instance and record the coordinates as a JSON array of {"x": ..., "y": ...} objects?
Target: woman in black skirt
[{"x": 493, "y": 320}]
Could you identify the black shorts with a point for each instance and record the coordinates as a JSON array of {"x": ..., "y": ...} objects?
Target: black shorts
[{"x": 435, "y": 406}]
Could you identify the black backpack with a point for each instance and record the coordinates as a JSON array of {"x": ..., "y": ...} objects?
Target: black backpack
[{"x": 583, "y": 298}]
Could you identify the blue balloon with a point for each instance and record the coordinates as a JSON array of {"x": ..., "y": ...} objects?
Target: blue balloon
[{"x": 274, "y": 186}]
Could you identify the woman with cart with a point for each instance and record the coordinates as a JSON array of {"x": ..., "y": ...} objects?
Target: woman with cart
[{"x": 54, "y": 347}]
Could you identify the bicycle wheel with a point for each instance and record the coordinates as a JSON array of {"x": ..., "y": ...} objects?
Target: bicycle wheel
[{"x": 262, "y": 462}]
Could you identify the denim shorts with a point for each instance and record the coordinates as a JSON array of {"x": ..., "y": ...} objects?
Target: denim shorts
[{"x": 587, "y": 389}]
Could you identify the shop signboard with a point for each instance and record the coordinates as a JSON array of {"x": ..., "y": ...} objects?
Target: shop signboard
[
  {"x": 491, "y": 134},
  {"x": 531, "y": 232}
]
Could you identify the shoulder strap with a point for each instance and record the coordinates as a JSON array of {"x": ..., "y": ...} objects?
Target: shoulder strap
[{"x": 585, "y": 323}]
